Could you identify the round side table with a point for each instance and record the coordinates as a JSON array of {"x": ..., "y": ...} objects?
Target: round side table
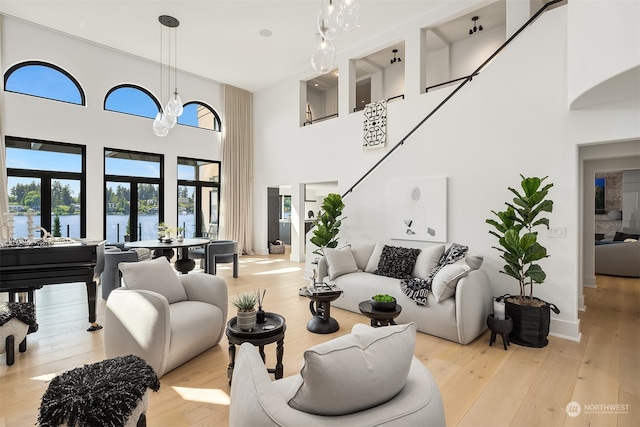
[
  {"x": 272, "y": 330},
  {"x": 320, "y": 307},
  {"x": 379, "y": 317}
]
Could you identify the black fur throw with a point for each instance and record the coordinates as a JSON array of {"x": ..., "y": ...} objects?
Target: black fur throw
[
  {"x": 23, "y": 311},
  {"x": 99, "y": 394}
]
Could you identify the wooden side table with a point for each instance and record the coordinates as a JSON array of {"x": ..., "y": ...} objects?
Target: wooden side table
[
  {"x": 320, "y": 307},
  {"x": 379, "y": 317},
  {"x": 264, "y": 333}
]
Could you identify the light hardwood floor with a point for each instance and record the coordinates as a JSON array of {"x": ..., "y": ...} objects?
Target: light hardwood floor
[{"x": 480, "y": 385}]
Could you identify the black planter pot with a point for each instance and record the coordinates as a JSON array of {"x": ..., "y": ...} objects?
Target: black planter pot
[
  {"x": 383, "y": 305},
  {"x": 530, "y": 323}
]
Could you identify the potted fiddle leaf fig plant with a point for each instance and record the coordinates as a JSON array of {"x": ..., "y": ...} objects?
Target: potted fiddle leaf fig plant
[
  {"x": 327, "y": 223},
  {"x": 520, "y": 250}
]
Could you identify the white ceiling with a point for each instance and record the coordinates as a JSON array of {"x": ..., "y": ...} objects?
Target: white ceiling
[{"x": 217, "y": 39}]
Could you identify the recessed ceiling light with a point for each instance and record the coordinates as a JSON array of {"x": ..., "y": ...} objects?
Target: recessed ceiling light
[
  {"x": 316, "y": 85},
  {"x": 265, "y": 33},
  {"x": 337, "y": 73}
]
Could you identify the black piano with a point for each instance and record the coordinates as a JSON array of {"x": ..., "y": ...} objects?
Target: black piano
[{"x": 25, "y": 269}]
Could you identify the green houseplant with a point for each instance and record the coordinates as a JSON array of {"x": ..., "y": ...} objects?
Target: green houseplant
[
  {"x": 520, "y": 250},
  {"x": 245, "y": 303},
  {"x": 327, "y": 224}
]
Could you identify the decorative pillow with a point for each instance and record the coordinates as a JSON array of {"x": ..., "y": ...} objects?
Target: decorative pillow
[
  {"x": 427, "y": 260},
  {"x": 356, "y": 371},
  {"x": 156, "y": 275},
  {"x": 396, "y": 261},
  {"x": 339, "y": 262},
  {"x": 445, "y": 281},
  {"x": 362, "y": 253},
  {"x": 374, "y": 259},
  {"x": 474, "y": 261}
]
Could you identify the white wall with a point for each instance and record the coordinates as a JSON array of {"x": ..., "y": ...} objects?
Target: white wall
[
  {"x": 468, "y": 54},
  {"x": 393, "y": 80},
  {"x": 511, "y": 119},
  {"x": 437, "y": 66},
  {"x": 98, "y": 69},
  {"x": 602, "y": 68}
]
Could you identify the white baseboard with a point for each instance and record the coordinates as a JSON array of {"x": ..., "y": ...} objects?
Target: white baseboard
[
  {"x": 565, "y": 330},
  {"x": 589, "y": 282}
]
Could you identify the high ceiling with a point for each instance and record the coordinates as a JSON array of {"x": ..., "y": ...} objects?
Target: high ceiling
[{"x": 219, "y": 40}]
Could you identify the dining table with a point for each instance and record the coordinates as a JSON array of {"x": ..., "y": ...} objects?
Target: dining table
[{"x": 165, "y": 247}]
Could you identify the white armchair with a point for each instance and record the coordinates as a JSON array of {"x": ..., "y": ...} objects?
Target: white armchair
[
  {"x": 164, "y": 318},
  {"x": 367, "y": 378}
]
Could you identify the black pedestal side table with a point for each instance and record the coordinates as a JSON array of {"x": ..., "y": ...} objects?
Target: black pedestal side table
[
  {"x": 262, "y": 334},
  {"x": 320, "y": 307},
  {"x": 500, "y": 327},
  {"x": 379, "y": 317}
]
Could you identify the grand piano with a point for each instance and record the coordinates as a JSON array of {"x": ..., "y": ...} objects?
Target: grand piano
[{"x": 28, "y": 268}]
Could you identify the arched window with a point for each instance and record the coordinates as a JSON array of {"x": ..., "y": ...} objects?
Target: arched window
[
  {"x": 200, "y": 115},
  {"x": 132, "y": 99},
  {"x": 44, "y": 80}
]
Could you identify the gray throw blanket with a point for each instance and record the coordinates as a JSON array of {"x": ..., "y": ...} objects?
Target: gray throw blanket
[{"x": 418, "y": 289}]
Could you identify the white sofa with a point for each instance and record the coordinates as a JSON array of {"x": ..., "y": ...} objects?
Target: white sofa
[{"x": 460, "y": 318}]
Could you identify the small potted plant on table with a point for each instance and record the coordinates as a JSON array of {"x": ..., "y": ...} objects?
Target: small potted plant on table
[
  {"x": 246, "y": 305},
  {"x": 383, "y": 302}
]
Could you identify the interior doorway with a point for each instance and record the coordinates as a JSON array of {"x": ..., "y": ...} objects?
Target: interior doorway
[{"x": 598, "y": 158}]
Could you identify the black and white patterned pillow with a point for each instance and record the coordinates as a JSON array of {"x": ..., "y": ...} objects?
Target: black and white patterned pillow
[{"x": 397, "y": 262}]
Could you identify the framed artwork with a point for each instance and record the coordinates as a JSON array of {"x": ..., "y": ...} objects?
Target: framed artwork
[
  {"x": 418, "y": 209},
  {"x": 600, "y": 187}
]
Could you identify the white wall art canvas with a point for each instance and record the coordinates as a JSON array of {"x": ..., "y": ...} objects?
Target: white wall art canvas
[{"x": 418, "y": 209}]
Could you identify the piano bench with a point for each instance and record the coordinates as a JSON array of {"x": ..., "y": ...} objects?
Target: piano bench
[
  {"x": 15, "y": 320},
  {"x": 110, "y": 392}
]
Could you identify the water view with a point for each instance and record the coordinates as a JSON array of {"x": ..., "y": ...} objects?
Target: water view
[{"x": 116, "y": 226}]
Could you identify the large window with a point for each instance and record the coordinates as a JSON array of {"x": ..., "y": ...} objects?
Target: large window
[
  {"x": 131, "y": 99},
  {"x": 46, "y": 180},
  {"x": 133, "y": 195},
  {"x": 200, "y": 115},
  {"x": 45, "y": 81},
  {"x": 198, "y": 197}
]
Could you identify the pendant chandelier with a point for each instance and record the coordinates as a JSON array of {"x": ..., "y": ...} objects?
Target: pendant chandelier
[
  {"x": 168, "y": 117},
  {"x": 476, "y": 26},
  {"x": 335, "y": 16}
]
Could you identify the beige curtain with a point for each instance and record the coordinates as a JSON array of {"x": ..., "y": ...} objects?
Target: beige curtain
[
  {"x": 237, "y": 168},
  {"x": 4, "y": 197}
]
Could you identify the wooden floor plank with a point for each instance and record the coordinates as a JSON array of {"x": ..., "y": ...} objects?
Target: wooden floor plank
[{"x": 480, "y": 385}]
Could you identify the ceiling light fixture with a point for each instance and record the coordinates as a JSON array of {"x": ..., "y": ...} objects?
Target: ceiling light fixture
[
  {"x": 335, "y": 17},
  {"x": 477, "y": 27},
  {"x": 168, "y": 117},
  {"x": 394, "y": 60}
]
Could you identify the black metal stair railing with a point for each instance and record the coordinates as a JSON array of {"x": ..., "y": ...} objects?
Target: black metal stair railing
[
  {"x": 388, "y": 99},
  {"x": 466, "y": 80}
]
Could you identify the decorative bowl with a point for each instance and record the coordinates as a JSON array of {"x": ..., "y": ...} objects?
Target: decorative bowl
[{"x": 383, "y": 305}]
